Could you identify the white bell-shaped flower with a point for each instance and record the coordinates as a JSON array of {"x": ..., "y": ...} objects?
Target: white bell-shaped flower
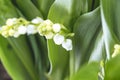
[
  {"x": 22, "y": 29},
  {"x": 37, "y": 20},
  {"x": 49, "y": 35},
  {"x": 67, "y": 44},
  {"x": 58, "y": 39},
  {"x": 56, "y": 27},
  {"x": 11, "y": 32},
  {"x": 16, "y": 34},
  {"x": 31, "y": 29},
  {"x": 10, "y": 22}
]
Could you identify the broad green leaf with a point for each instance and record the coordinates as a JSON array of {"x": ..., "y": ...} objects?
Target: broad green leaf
[
  {"x": 59, "y": 61},
  {"x": 110, "y": 14},
  {"x": 86, "y": 30},
  {"x": 22, "y": 50},
  {"x": 92, "y": 4},
  {"x": 67, "y": 11},
  {"x": 112, "y": 69},
  {"x": 43, "y": 6},
  {"x": 98, "y": 52},
  {"x": 30, "y": 11},
  {"x": 20, "y": 46},
  {"x": 87, "y": 72},
  {"x": 6, "y": 9},
  {"x": 27, "y": 8},
  {"x": 12, "y": 62}
]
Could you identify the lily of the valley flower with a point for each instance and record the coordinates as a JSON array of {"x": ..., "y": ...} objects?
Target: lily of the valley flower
[
  {"x": 37, "y": 20},
  {"x": 67, "y": 44},
  {"x": 49, "y": 35},
  {"x": 58, "y": 32},
  {"x": 56, "y": 27},
  {"x": 45, "y": 28},
  {"x": 11, "y": 21},
  {"x": 22, "y": 30},
  {"x": 31, "y": 29},
  {"x": 58, "y": 39},
  {"x": 16, "y": 34}
]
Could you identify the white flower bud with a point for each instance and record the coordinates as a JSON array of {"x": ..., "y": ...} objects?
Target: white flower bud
[
  {"x": 37, "y": 20},
  {"x": 16, "y": 35},
  {"x": 5, "y": 33},
  {"x": 56, "y": 28},
  {"x": 31, "y": 29},
  {"x": 58, "y": 39},
  {"x": 49, "y": 35},
  {"x": 67, "y": 44},
  {"x": 11, "y": 32},
  {"x": 10, "y": 22},
  {"x": 22, "y": 30}
]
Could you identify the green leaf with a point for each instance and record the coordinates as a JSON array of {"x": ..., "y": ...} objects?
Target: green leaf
[
  {"x": 7, "y": 10},
  {"x": 98, "y": 52},
  {"x": 43, "y": 6},
  {"x": 110, "y": 14},
  {"x": 86, "y": 30},
  {"x": 30, "y": 11},
  {"x": 27, "y": 8},
  {"x": 66, "y": 11},
  {"x": 20, "y": 46},
  {"x": 59, "y": 61},
  {"x": 22, "y": 50},
  {"x": 92, "y": 4},
  {"x": 88, "y": 71},
  {"x": 12, "y": 62},
  {"x": 112, "y": 69}
]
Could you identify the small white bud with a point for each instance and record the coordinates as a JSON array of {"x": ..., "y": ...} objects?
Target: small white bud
[
  {"x": 48, "y": 22},
  {"x": 5, "y": 33},
  {"x": 11, "y": 32},
  {"x": 16, "y": 35},
  {"x": 49, "y": 35},
  {"x": 58, "y": 39},
  {"x": 37, "y": 20},
  {"x": 31, "y": 29},
  {"x": 22, "y": 30},
  {"x": 67, "y": 44},
  {"x": 56, "y": 28},
  {"x": 10, "y": 22}
]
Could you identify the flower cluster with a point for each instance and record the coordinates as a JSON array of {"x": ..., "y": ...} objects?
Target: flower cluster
[
  {"x": 16, "y": 27},
  {"x": 58, "y": 32}
]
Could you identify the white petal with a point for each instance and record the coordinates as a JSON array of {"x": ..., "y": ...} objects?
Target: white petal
[
  {"x": 11, "y": 32},
  {"x": 49, "y": 35},
  {"x": 22, "y": 30},
  {"x": 16, "y": 35},
  {"x": 56, "y": 27},
  {"x": 58, "y": 39},
  {"x": 48, "y": 22},
  {"x": 31, "y": 29},
  {"x": 37, "y": 20},
  {"x": 67, "y": 44},
  {"x": 10, "y": 22}
]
